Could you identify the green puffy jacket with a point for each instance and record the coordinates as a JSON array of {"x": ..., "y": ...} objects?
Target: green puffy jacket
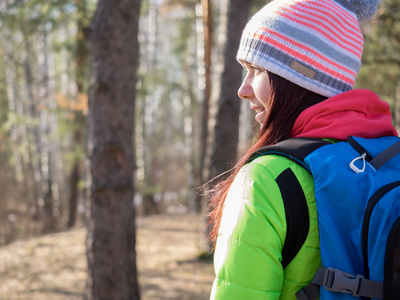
[{"x": 248, "y": 255}]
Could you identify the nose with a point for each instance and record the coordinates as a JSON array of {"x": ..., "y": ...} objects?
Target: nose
[{"x": 245, "y": 91}]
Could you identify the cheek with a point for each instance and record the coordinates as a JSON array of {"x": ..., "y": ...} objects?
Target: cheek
[{"x": 263, "y": 93}]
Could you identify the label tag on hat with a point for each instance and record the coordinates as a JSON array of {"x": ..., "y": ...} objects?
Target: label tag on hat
[{"x": 303, "y": 70}]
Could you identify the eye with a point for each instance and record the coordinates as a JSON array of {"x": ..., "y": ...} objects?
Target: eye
[
  {"x": 255, "y": 68},
  {"x": 252, "y": 69}
]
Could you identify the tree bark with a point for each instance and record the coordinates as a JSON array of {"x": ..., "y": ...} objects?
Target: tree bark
[
  {"x": 234, "y": 15},
  {"x": 46, "y": 204},
  {"x": 74, "y": 194},
  {"x": 206, "y": 74},
  {"x": 33, "y": 130},
  {"x": 112, "y": 271},
  {"x": 81, "y": 73}
]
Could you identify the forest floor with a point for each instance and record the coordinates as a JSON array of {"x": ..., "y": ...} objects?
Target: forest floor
[{"x": 53, "y": 267}]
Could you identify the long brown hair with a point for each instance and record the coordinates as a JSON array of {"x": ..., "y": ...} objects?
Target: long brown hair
[{"x": 286, "y": 101}]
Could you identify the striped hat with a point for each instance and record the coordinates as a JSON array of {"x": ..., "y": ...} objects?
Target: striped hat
[{"x": 316, "y": 44}]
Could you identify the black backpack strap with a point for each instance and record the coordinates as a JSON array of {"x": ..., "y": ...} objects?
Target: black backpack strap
[
  {"x": 296, "y": 149},
  {"x": 296, "y": 209},
  {"x": 385, "y": 155},
  {"x": 379, "y": 160},
  {"x": 296, "y": 212}
]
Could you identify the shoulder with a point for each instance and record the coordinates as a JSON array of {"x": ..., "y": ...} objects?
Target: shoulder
[
  {"x": 255, "y": 193},
  {"x": 269, "y": 167}
]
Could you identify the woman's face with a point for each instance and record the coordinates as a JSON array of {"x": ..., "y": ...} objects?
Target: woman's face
[{"x": 256, "y": 88}]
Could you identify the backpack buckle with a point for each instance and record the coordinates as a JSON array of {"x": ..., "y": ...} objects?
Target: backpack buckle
[{"x": 338, "y": 281}]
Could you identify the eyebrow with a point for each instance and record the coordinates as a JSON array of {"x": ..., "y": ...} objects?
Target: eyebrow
[{"x": 247, "y": 65}]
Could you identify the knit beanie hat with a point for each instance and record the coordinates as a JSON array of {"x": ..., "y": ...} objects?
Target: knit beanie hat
[{"x": 316, "y": 44}]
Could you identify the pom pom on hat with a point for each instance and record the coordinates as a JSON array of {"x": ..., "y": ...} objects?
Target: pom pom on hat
[
  {"x": 316, "y": 44},
  {"x": 365, "y": 9}
]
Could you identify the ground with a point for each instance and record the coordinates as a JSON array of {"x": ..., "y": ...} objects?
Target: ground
[{"x": 53, "y": 267}]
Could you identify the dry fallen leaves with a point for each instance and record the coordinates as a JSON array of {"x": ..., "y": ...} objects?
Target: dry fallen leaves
[{"x": 54, "y": 266}]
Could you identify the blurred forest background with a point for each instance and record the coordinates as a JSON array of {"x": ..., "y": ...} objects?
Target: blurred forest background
[{"x": 189, "y": 124}]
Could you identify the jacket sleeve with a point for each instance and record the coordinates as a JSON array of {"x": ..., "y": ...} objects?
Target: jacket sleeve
[{"x": 247, "y": 258}]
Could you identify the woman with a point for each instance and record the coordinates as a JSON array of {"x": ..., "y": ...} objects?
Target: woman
[{"x": 301, "y": 59}]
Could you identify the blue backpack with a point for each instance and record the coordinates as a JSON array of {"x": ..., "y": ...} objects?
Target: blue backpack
[{"x": 357, "y": 191}]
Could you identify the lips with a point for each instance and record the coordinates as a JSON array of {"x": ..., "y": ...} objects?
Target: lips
[{"x": 260, "y": 113}]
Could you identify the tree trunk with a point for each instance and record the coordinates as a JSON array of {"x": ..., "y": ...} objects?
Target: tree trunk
[
  {"x": 205, "y": 76},
  {"x": 74, "y": 194},
  {"x": 81, "y": 57},
  {"x": 234, "y": 15},
  {"x": 150, "y": 124},
  {"x": 33, "y": 131},
  {"x": 188, "y": 119},
  {"x": 46, "y": 203},
  {"x": 12, "y": 107},
  {"x": 112, "y": 271},
  {"x": 56, "y": 174}
]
